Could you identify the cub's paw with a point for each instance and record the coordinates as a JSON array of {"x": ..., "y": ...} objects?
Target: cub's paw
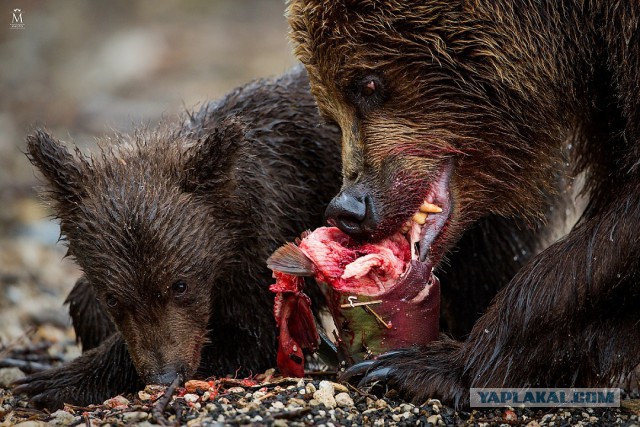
[
  {"x": 54, "y": 387},
  {"x": 417, "y": 373}
]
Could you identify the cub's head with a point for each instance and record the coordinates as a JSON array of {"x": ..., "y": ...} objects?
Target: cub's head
[
  {"x": 434, "y": 117},
  {"x": 150, "y": 221}
]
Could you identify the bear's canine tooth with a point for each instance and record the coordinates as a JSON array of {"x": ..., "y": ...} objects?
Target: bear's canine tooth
[{"x": 430, "y": 208}]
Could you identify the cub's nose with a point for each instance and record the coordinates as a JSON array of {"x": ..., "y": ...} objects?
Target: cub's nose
[
  {"x": 353, "y": 212},
  {"x": 165, "y": 377}
]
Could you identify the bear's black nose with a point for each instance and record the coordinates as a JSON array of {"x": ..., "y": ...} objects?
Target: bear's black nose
[
  {"x": 353, "y": 212},
  {"x": 165, "y": 377}
]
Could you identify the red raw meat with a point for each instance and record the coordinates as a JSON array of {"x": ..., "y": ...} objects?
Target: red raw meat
[{"x": 409, "y": 292}]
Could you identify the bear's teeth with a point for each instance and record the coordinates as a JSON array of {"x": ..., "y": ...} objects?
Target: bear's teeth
[
  {"x": 430, "y": 208},
  {"x": 420, "y": 218}
]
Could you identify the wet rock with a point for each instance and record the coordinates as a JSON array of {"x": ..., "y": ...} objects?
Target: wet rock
[{"x": 9, "y": 375}]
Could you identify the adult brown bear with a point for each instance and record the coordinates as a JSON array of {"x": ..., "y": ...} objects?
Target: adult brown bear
[{"x": 488, "y": 109}]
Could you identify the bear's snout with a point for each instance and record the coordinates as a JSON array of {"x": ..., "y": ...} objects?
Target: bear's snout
[{"x": 353, "y": 211}]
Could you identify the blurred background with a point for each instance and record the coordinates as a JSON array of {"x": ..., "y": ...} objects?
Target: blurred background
[{"x": 83, "y": 69}]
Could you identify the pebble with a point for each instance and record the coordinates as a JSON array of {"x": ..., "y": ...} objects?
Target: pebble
[
  {"x": 115, "y": 402},
  {"x": 340, "y": 388},
  {"x": 132, "y": 417},
  {"x": 191, "y": 398},
  {"x": 237, "y": 390},
  {"x": 62, "y": 418},
  {"x": 327, "y": 386},
  {"x": 381, "y": 404},
  {"x": 343, "y": 400},
  {"x": 310, "y": 388},
  {"x": 32, "y": 424},
  {"x": 435, "y": 419},
  {"x": 9, "y": 375},
  {"x": 325, "y": 396}
]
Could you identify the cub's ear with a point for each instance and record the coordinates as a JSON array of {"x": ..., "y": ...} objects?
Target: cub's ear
[
  {"x": 210, "y": 165},
  {"x": 62, "y": 171}
]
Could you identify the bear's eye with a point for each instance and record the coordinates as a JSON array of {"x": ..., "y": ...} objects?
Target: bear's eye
[
  {"x": 179, "y": 288},
  {"x": 111, "y": 300},
  {"x": 367, "y": 93}
]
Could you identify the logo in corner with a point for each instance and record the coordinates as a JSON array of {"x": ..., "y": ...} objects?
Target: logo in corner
[{"x": 16, "y": 20}]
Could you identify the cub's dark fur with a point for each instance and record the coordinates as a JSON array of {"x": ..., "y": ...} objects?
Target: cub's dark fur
[
  {"x": 172, "y": 228},
  {"x": 508, "y": 96}
]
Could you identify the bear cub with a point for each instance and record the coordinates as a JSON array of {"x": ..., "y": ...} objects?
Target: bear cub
[{"x": 172, "y": 228}]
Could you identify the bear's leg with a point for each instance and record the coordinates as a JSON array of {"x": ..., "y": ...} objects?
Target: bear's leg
[
  {"x": 98, "y": 374},
  {"x": 90, "y": 321},
  {"x": 569, "y": 318}
]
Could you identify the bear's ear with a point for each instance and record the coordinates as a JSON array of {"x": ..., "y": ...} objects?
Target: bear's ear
[
  {"x": 210, "y": 165},
  {"x": 62, "y": 171}
]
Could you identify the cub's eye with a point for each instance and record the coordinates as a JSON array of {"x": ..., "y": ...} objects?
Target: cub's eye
[
  {"x": 179, "y": 288},
  {"x": 111, "y": 300},
  {"x": 367, "y": 92}
]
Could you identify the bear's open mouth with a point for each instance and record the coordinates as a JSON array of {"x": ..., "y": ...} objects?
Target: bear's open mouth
[{"x": 425, "y": 228}]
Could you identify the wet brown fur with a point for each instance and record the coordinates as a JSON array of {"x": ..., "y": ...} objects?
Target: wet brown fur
[
  {"x": 203, "y": 202},
  {"x": 512, "y": 92}
]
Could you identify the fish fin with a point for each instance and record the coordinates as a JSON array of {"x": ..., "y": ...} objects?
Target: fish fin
[
  {"x": 291, "y": 260},
  {"x": 303, "y": 236}
]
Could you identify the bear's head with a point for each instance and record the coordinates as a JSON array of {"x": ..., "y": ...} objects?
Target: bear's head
[{"x": 150, "y": 221}]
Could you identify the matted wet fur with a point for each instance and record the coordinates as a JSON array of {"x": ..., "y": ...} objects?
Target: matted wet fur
[
  {"x": 172, "y": 228},
  {"x": 518, "y": 98}
]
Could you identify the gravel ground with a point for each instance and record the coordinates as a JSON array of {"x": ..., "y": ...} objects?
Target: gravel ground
[{"x": 85, "y": 68}]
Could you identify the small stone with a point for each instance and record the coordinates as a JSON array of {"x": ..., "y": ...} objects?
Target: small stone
[
  {"x": 9, "y": 375},
  {"x": 322, "y": 413},
  {"x": 116, "y": 402},
  {"x": 314, "y": 402},
  {"x": 325, "y": 396},
  {"x": 546, "y": 418},
  {"x": 406, "y": 407},
  {"x": 300, "y": 383},
  {"x": 280, "y": 423},
  {"x": 277, "y": 405},
  {"x": 31, "y": 424},
  {"x": 435, "y": 419},
  {"x": 396, "y": 417},
  {"x": 294, "y": 401},
  {"x": 327, "y": 386},
  {"x": 509, "y": 415},
  {"x": 381, "y": 404},
  {"x": 533, "y": 423},
  {"x": 310, "y": 388},
  {"x": 191, "y": 398},
  {"x": 143, "y": 395},
  {"x": 205, "y": 396},
  {"x": 259, "y": 394},
  {"x": 236, "y": 390},
  {"x": 133, "y": 417},
  {"x": 343, "y": 400},
  {"x": 340, "y": 388},
  {"x": 62, "y": 418}
]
